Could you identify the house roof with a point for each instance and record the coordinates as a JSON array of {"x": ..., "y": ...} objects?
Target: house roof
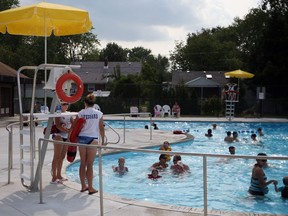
[
  {"x": 95, "y": 72},
  {"x": 6, "y": 70},
  {"x": 202, "y": 82},
  {"x": 218, "y": 77}
]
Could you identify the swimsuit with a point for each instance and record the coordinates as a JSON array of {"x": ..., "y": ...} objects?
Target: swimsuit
[
  {"x": 85, "y": 139},
  {"x": 256, "y": 189}
]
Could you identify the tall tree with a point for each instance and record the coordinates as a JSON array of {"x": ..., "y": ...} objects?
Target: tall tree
[
  {"x": 210, "y": 49},
  {"x": 113, "y": 52}
]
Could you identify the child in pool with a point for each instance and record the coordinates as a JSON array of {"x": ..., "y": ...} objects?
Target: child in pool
[
  {"x": 166, "y": 147},
  {"x": 209, "y": 133},
  {"x": 154, "y": 174},
  {"x": 283, "y": 189},
  {"x": 121, "y": 169}
]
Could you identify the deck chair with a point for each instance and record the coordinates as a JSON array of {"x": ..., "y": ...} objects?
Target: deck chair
[
  {"x": 157, "y": 110},
  {"x": 134, "y": 111},
  {"x": 166, "y": 110},
  {"x": 97, "y": 107}
]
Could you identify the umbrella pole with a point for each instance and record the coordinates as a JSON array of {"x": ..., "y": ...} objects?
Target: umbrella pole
[
  {"x": 45, "y": 71},
  {"x": 45, "y": 59}
]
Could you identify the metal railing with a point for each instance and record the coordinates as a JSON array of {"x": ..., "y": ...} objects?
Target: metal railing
[
  {"x": 204, "y": 158},
  {"x": 124, "y": 115},
  {"x": 10, "y": 127}
]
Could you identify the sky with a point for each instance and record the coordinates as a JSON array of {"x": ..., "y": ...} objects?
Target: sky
[{"x": 155, "y": 24}]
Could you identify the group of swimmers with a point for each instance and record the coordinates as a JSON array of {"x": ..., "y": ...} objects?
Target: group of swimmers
[
  {"x": 177, "y": 167},
  {"x": 258, "y": 185},
  {"x": 233, "y": 136}
]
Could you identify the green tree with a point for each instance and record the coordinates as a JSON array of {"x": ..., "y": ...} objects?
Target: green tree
[
  {"x": 7, "y": 4},
  {"x": 210, "y": 49},
  {"x": 113, "y": 53}
]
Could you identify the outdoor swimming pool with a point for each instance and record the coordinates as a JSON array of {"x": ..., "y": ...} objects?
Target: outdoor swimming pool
[{"x": 228, "y": 180}]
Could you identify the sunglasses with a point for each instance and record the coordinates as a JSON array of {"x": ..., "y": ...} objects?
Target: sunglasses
[{"x": 64, "y": 104}]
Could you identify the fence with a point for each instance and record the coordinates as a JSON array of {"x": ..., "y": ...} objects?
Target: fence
[{"x": 204, "y": 158}]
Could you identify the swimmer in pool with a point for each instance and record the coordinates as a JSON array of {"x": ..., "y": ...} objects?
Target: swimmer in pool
[
  {"x": 178, "y": 166},
  {"x": 209, "y": 133},
  {"x": 154, "y": 174},
  {"x": 235, "y": 136},
  {"x": 260, "y": 132},
  {"x": 166, "y": 147},
  {"x": 161, "y": 164},
  {"x": 283, "y": 189},
  {"x": 228, "y": 138},
  {"x": 259, "y": 183},
  {"x": 121, "y": 168}
]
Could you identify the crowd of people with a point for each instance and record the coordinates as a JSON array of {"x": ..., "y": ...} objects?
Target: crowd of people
[{"x": 177, "y": 167}]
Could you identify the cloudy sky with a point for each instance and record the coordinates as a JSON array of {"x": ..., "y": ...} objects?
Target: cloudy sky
[{"x": 155, "y": 24}]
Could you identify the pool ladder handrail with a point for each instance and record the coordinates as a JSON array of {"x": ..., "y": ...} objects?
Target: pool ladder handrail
[{"x": 118, "y": 135}]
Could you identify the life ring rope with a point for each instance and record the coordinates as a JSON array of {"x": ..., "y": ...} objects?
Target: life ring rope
[{"x": 59, "y": 87}]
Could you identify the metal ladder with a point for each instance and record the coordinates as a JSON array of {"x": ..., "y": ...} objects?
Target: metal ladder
[{"x": 230, "y": 109}]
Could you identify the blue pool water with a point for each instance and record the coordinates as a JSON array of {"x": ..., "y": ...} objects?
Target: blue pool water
[{"x": 228, "y": 179}]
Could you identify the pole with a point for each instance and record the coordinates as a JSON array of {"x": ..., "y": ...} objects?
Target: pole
[{"x": 45, "y": 59}]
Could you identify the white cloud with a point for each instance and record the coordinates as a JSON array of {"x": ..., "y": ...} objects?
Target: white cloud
[{"x": 156, "y": 24}]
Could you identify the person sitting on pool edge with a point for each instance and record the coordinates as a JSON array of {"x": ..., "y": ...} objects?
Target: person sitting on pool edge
[
  {"x": 259, "y": 183},
  {"x": 161, "y": 164},
  {"x": 178, "y": 166},
  {"x": 154, "y": 174},
  {"x": 121, "y": 169},
  {"x": 283, "y": 189}
]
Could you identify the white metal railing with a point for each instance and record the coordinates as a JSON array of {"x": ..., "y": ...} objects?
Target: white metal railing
[
  {"x": 124, "y": 115},
  {"x": 10, "y": 127},
  {"x": 204, "y": 157}
]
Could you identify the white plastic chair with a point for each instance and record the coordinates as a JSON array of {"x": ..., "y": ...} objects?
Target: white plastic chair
[
  {"x": 166, "y": 110},
  {"x": 157, "y": 110},
  {"x": 134, "y": 111},
  {"x": 97, "y": 107}
]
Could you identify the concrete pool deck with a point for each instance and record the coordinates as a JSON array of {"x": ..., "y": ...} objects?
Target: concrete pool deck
[{"x": 66, "y": 199}]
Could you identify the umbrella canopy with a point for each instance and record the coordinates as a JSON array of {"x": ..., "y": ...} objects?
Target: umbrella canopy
[
  {"x": 239, "y": 74},
  {"x": 43, "y": 19}
]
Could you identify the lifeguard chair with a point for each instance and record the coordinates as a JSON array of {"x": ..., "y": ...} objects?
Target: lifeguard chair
[
  {"x": 231, "y": 95},
  {"x": 59, "y": 83}
]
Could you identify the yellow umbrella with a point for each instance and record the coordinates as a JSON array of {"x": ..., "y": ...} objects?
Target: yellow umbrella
[
  {"x": 239, "y": 74},
  {"x": 44, "y": 18}
]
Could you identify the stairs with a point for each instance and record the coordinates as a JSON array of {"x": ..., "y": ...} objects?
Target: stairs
[{"x": 230, "y": 109}]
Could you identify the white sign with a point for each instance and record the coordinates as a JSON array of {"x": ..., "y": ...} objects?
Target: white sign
[{"x": 261, "y": 95}]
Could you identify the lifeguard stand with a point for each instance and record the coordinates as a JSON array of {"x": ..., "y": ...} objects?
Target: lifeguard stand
[
  {"x": 231, "y": 97},
  {"x": 28, "y": 174}
]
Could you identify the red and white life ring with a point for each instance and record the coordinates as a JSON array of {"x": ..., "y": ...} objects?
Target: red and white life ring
[{"x": 61, "y": 94}]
